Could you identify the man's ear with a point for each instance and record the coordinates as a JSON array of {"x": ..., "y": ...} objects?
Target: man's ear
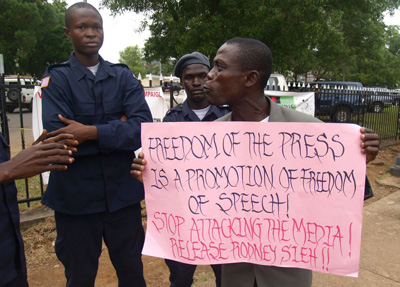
[
  {"x": 252, "y": 77},
  {"x": 66, "y": 32}
]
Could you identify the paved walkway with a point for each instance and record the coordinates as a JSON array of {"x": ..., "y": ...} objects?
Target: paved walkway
[{"x": 380, "y": 246}]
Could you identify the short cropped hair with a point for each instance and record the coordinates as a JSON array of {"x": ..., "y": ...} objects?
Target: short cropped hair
[
  {"x": 254, "y": 55},
  {"x": 77, "y": 5}
]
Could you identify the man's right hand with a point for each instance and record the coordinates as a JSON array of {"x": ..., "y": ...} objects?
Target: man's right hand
[
  {"x": 36, "y": 159},
  {"x": 67, "y": 139},
  {"x": 138, "y": 166}
]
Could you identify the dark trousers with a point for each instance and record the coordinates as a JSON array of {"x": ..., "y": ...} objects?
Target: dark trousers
[
  {"x": 181, "y": 274},
  {"x": 79, "y": 241},
  {"x": 19, "y": 281}
]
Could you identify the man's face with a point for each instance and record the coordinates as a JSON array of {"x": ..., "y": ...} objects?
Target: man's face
[
  {"x": 85, "y": 32},
  {"x": 226, "y": 78},
  {"x": 193, "y": 78}
]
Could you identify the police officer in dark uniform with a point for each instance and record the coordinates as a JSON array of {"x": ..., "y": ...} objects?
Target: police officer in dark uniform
[
  {"x": 102, "y": 105},
  {"x": 192, "y": 69},
  {"x": 29, "y": 162}
]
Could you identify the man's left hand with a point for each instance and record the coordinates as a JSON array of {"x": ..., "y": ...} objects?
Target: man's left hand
[
  {"x": 80, "y": 131},
  {"x": 370, "y": 143}
]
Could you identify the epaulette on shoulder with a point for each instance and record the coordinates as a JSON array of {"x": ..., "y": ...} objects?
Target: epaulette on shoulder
[
  {"x": 63, "y": 64},
  {"x": 177, "y": 108},
  {"x": 117, "y": 64}
]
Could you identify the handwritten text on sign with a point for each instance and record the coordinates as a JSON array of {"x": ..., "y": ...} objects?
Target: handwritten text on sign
[{"x": 283, "y": 194}]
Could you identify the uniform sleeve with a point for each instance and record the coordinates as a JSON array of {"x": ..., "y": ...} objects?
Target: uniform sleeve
[
  {"x": 57, "y": 99},
  {"x": 125, "y": 135}
]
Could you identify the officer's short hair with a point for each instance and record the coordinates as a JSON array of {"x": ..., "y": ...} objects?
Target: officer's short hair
[{"x": 77, "y": 5}]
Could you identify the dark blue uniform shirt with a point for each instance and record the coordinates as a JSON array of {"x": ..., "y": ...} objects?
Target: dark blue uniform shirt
[
  {"x": 183, "y": 113},
  {"x": 99, "y": 179},
  {"x": 12, "y": 255}
]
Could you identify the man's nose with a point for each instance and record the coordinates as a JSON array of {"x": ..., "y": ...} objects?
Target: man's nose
[
  {"x": 210, "y": 74},
  {"x": 90, "y": 33},
  {"x": 196, "y": 81}
]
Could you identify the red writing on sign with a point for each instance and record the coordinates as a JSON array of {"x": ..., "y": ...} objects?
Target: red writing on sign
[{"x": 152, "y": 94}]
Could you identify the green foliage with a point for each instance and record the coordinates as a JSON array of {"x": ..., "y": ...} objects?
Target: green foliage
[
  {"x": 333, "y": 39},
  {"x": 133, "y": 58},
  {"x": 32, "y": 36}
]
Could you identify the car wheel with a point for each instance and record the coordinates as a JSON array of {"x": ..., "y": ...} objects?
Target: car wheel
[
  {"x": 342, "y": 115},
  {"x": 13, "y": 95},
  {"x": 377, "y": 107}
]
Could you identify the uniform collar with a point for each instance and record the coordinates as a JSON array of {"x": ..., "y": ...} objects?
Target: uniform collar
[
  {"x": 81, "y": 71},
  {"x": 187, "y": 111}
]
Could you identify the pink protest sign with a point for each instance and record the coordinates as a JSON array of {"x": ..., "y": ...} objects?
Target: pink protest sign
[{"x": 282, "y": 194}]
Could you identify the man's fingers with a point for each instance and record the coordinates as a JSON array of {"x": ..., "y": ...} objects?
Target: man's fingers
[
  {"x": 49, "y": 146},
  {"x": 137, "y": 174},
  {"x": 59, "y": 138},
  {"x": 139, "y": 161},
  {"x": 370, "y": 143},
  {"x": 55, "y": 133},
  {"x": 138, "y": 167},
  {"x": 41, "y": 138},
  {"x": 57, "y": 167},
  {"x": 65, "y": 120}
]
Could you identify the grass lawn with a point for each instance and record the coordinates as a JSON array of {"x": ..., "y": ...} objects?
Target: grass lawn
[{"x": 34, "y": 189}]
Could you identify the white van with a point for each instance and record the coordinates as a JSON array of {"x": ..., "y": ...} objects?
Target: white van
[
  {"x": 277, "y": 82},
  {"x": 12, "y": 92}
]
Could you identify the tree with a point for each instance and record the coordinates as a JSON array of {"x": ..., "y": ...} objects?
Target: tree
[
  {"x": 331, "y": 38},
  {"x": 132, "y": 57},
  {"x": 32, "y": 35}
]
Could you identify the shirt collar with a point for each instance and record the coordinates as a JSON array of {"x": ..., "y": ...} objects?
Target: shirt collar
[
  {"x": 187, "y": 111},
  {"x": 81, "y": 71}
]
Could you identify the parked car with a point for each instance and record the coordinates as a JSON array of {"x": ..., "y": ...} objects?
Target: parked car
[
  {"x": 377, "y": 99},
  {"x": 338, "y": 100},
  {"x": 396, "y": 97},
  {"x": 25, "y": 86}
]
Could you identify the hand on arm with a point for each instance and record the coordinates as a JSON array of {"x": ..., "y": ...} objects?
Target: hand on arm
[
  {"x": 370, "y": 143},
  {"x": 80, "y": 132},
  {"x": 36, "y": 159},
  {"x": 138, "y": 166},
  {"x": 66, "y": 139}
]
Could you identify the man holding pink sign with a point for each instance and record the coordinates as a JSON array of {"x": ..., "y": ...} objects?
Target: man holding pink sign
[{"x": 241, "y": 70}]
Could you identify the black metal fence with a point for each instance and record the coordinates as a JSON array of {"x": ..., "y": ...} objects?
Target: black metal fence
[
  {"x": 377, "y": 109},
  {"x": 374, "y": 108}
]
